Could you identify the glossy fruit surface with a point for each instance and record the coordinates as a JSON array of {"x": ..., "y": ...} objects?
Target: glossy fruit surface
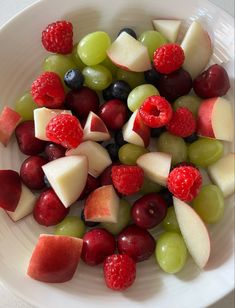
[
  {"x": 49, "y": 210},
  {"x": 54, "y": 151},
  {"x": 97, "y": 245},
  {"x": 209, "y": 204},
  {"x": 71, "y": 226},
  {"x": 129, "y": 153},
  {"x": 25, "y": 106},
  {"x": 73, "y": 79},
  {"x": 31, "y": 172},
  {"x": 114, "y": 114},
  {"x": 124, "y": 217},
  {"x": 119, "y": 89},
  {"x": 170, "y": 222},
  {"x": 205, "y": 151},
  {"x": 189, "y": 101},
  {"x": 174, "y": 85},
  {"x": 82, "y": 101},
  {"x": 152, "y": 40},
  {"x": 136, "y": 242},
  {"x": 97, "y": 77},
  {"x": 171, "y": 252},
  {"x": 132, "y": 78},
  {"x": 173, "y": 145},
  {"x": 148, "y": 211}
]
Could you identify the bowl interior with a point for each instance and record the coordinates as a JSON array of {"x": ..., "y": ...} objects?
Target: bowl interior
[{"x": 21, "y": 58}]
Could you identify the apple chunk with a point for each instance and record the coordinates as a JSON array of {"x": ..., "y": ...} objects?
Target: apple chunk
[
  {"x": 222, "y": 174},
  {"x": 9, "y": 119},
  {"x": 25, "y": 205},
  {"x": 95, "y": 129},
  {"x": 42, "y": 117},
  {"x": 55, "y": 258},
  {"x": 98, "y": 157},
  {"x": 194, "y": 232},
  {"x": 135, "y": 131},
  {"x": 169, "y": 28},
  {"x": 10, "y": 191},
  {"x": 215, "y": 119},
  {"x": 129, "y": 54},
  {"x": 67, "y": 176},
  {"x": 102, "y": 205},
  {"x": 197, "y": 49},
  {"x": 156, "y": 166}
]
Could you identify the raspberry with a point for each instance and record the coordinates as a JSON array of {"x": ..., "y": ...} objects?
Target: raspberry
[
  {"x": 119, "y": 272},
  {"x": 168, "y": 58},
  {"x": 47, "y": 90},
  {"x": 127, "y": 179},
  {"x": 65, "y": 129},
  {"x": 184, "y": 182},
  {"x": 58, "y": 37},
  {"x": 155, "y": 111},
  {"x": 182, "y": 123}
]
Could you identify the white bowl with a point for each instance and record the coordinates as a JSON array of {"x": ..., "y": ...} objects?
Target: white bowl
[{"x": 21, "y": 56}]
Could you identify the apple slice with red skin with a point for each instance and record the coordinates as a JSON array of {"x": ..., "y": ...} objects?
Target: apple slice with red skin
[
  {"x": 10, "y": 191},
  {"x": 25, "y": 205},
  {"x": 129, "y": 54},
  {"x": 102, "y": 205},
  {"x": 9, "y": 119},
  {"x": 55, "y": 258},
  {"x": 95, "y": 129},
  {"x": 135, "y": 131},
  {"x": 215, "y": 119},
  {"x": 194, "y": 232}
]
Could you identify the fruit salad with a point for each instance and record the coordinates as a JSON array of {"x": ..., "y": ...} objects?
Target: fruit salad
[{"x": 121, "y": 129}]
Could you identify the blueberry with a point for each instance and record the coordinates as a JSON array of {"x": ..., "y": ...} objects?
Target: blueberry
[
  {"x": 191, "y": 138},
  {"x": 156, "y": 132},
  {"x": 113, "y": 149},
  {"x": 117, "y": 90},
  {"x": 129, "y": 31},
  {"x": 152, "y": 76},
  {"x": 167, "y": 196},
  {"x": 73, "y": 79},
  {"x": 118, "y": 138},
  {"x": 47, "y": 182},
  {"x": 88, "y": 223}
]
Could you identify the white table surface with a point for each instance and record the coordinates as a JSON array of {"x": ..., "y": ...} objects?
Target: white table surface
[{"x": 8, "y": 8}]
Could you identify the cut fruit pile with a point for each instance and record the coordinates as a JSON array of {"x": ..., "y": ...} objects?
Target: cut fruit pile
[{"x": 100, "y": 154}]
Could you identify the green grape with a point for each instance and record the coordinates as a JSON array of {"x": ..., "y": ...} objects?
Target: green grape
[
  {"x": 173, "y": 145},
  {"x": 92, "y": 48},
  {"x": 209, "y": 203},
  {"x": 25, "y": 106},
  {"x": 152, "y": 40},
  {"x": 124, "y": 217},
  {"x": 170, "y": 222},
  {"x": 149, "y": 187},
  {"x": 71, "y": 226},
  {"x": 97, "y": 77},
  {"x": 129, "y": 153},
  {"x": 133, "y": 79},
  {"x": 59, "y": 64},
  {"x": 109, "y": 65},
  {"x": 190, "y": 101},
  {"x": 171, "y": 252},
  {"x": 205, "y": 151},
  {"x": 139, "y": 94},
  {"x": 76, "y": 59}
]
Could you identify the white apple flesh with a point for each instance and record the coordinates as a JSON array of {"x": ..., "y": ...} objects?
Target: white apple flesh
[
  {"x": 25, "y": 205},
  {"x": 197, "y": 49},
  {"x": 67, "y": 176},
  {"x": 42, "y": 117},
  {"x": 135, "y": 131},
  {"x": 222, "y": 174},
  {"x": 102, "y": 205},
  {"x": 194, "y": 232},
  {"x": 156, "y": 166},
  {"x": 169, "y": 28},
  {"x": 95, "y": 129},
  {"x": 129, "y": 54},
  {"x": 215, "y": 119},
  {"x": 98, "y": 157}
]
